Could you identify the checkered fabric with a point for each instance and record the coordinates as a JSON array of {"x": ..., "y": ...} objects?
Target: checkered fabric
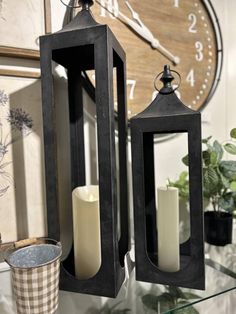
[{"x": 36, "y": 289}]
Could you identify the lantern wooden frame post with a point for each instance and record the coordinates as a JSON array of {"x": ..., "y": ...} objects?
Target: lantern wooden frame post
[
  {"x": 84, "y": 45},
  {"x": 166, "y": 114}
]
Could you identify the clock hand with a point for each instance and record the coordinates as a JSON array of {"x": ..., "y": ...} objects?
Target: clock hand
[
  {"x": 123, "y": 18},
  {"x": 147, "y": 34},
  {"x": 139, "y": 28}
]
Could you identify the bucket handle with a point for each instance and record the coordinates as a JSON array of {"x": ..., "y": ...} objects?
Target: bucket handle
[
  {"x": 30, "y": 241},
  {"x": 24, "y": 242}
]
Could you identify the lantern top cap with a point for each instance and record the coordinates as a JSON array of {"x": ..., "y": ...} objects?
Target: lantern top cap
[
  {"x": 166, "y": 102},
  {"x": 85, "y": 4},
  {"x": 83, "y": 19}
]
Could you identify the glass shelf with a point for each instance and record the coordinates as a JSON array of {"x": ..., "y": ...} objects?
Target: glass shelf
[
  {"x": 145, "y": 298},
  {"x": 140, "y": 297}
]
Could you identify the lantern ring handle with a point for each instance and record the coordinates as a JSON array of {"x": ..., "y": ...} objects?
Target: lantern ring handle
[
  {"x": 158, "y": 75},
  {"x": 70, "y": 6}
]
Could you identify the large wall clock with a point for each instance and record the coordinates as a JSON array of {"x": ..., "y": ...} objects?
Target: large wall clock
[{"x": 182, "y": 33}]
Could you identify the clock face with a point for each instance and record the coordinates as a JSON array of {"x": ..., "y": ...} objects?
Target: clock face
[{"x": 154, "y": 33}]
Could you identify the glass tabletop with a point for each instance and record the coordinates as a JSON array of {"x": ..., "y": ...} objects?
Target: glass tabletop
[
  {"x": 137, "y": 297},
  {"x": 140, "y": 297}
]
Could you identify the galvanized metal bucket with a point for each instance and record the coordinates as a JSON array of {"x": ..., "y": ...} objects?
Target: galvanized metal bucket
[{"x": 35, "y": 277}]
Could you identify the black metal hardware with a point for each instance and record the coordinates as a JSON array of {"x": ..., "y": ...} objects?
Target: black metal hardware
[
  {"x": 166, "y": 114},
  {"x": 166, "y": 79},
  {"x": 84, "y": 45}
]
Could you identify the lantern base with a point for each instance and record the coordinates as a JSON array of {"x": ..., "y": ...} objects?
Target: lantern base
[
  {"x": 106, "y": 288},
  {"x": 179, "y": 278}
]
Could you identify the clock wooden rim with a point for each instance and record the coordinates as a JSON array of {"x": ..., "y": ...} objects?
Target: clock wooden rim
[{"x": 219, "y": 43}]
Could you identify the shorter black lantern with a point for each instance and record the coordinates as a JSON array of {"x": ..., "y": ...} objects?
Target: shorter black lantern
[{"x": 166, "y": 114}]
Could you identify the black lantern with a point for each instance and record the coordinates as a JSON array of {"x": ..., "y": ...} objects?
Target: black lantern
[
  {"x": 80, "y": 46},
  {"x": 166, "y": 114}
]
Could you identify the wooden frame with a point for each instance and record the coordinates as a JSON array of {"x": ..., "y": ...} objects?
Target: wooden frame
[
  {"x": 19, "y": 73},
  {"x": 28, "y": 53}
]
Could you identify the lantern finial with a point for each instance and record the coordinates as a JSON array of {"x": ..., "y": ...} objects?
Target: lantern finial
[
  {"x": 167, "y": 77},
  {"x": 85, "y": 4}
]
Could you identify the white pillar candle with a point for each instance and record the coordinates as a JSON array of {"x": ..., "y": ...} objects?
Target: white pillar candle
[
  {"x": 86, "y": 227},
  {"x": 168, "y": 229}
]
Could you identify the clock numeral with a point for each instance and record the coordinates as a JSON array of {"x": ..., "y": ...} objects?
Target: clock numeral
[
  {"x": 176, "y": 3},
  {"x": 199, "y": 54},
  {"x": 111, "y": 6},
  {"x": 193, "y": 19},
  {"x": 190, "y": 78},
  {"x": 132, "y": 84}
]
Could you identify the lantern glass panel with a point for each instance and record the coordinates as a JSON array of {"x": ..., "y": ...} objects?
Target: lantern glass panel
[
  {"x": 173, "y": 222},
  {"x": 168, "y": 162},
  {"x": 64, "y": 117},
  {"x": 67, "y": 117},
  {"x": 63, "y": 158},
  {"x": 90, "y": 138}
]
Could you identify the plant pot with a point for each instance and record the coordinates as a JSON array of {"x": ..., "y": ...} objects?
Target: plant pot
[{"x": 218, "y": 228}]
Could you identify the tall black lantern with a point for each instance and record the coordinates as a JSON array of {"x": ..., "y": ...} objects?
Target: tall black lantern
[
  {"x": 166, "y": 114},
  {"x": 85, "y": 45}
]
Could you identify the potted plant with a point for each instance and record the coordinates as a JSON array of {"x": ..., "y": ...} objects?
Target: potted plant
[{"x": 219, "y": 188}]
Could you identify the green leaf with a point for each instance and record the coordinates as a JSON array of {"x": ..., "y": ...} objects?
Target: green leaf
[
  {"x": 210, "y": 182},
  {"x": 225, "y": 182},
  {"x": 165, "y": 300},
  {"x": 233, "y": 133},
  {"x": 182, "y": 184},
  {"x": 226, "y": 202},
  {"x": 185, "y": 160},
  {"x": 206, "y": 140},
  {"x": 228, "y": 168},
  {"x": 213, "y": 158},
  {"x": 176, "y": 292},
  {"x": 210, "y": 177},
  {"x": 150, "y": 301},
  {"x": 233, "y": 185},
  {"x": 230, "y": 148},
  {"x": 210, "y": 148},
  {"x": 186, "y": 310},
  {"x": 206, "y": 157},
  {"x": 183, "y": 176},
  {"x": 218, "y": 149}
]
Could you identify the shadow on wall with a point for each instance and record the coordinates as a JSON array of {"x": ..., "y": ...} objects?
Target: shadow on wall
[
  {"x": 25, "y": 118},
  {"x": 28, "y": 185}
]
